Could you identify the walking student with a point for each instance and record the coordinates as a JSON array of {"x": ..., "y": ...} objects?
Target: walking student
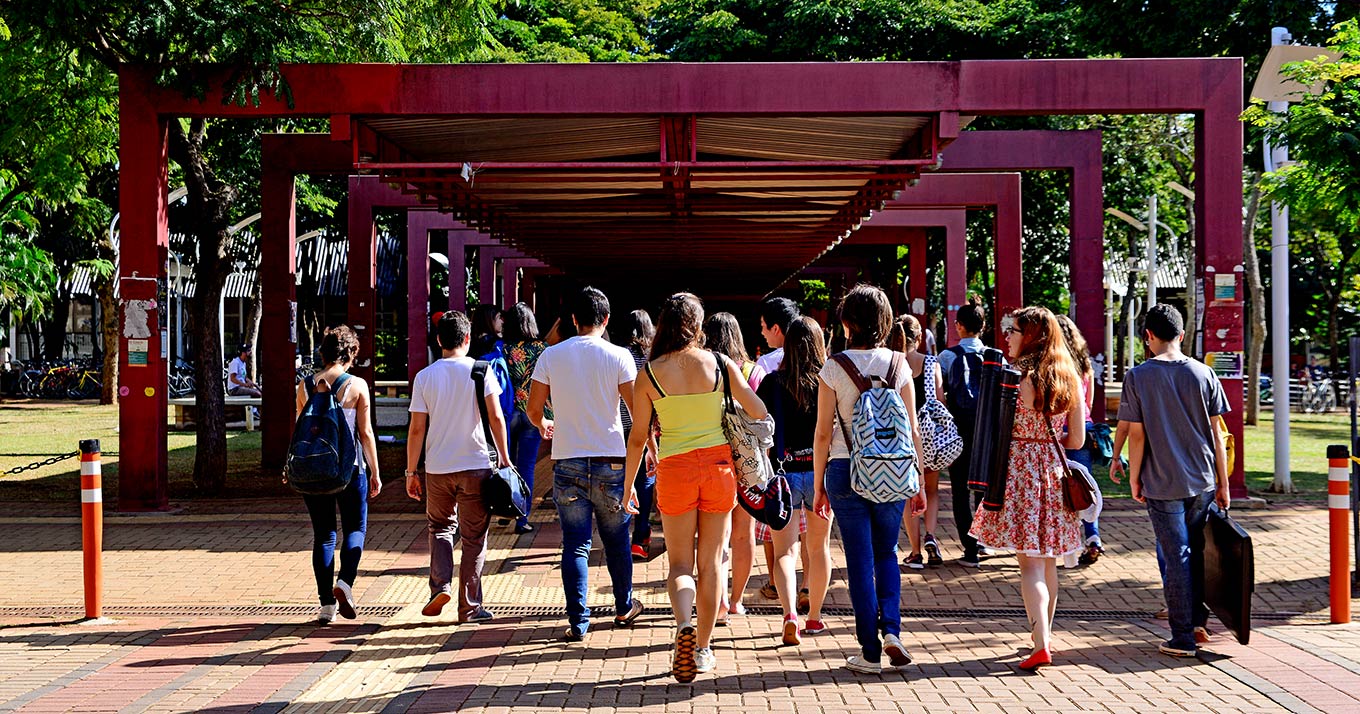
[
  {"x": 1178, "y": 466},
  {"x": 961, "y": 368},
  {"x": 905, "y": 337},
  {"x": 1033, "y": 521},
  {"x": 446, "y": 422},
  {"x": 1081, "y": 356},
  {"x": 339, "y": 347},
  {"x": 776, "y": 315},
  {"x": 696, "y": 487},
  {"x": 522, "y": 348},
  {"x": 586, "y": 376},
  {"x": 636, "y": 333},
  {"x": 869, "y": 530},
  {"x": 790, "y": 393}
]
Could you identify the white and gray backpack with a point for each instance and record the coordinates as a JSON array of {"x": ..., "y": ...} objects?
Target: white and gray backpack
[{"x": 883, "y": 461}]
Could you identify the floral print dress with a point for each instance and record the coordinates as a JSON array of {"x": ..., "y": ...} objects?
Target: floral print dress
[{"x": 1032, "y": 519}]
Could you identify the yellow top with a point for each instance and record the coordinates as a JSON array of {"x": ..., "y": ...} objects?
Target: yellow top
[{"x": 688, "y": 421}]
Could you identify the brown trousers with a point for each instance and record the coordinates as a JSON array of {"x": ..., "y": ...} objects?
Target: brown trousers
[{"x": 453, "y": 502}]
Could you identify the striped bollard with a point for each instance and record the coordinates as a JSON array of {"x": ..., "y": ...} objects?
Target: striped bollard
[
  {"x": 92, "y": 527},
  {"x": 1339, "y": 506}
]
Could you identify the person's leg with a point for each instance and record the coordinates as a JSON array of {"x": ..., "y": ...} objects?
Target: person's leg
[
  {"x": 963, "y": 500},
  {"x": 885, "y": 526},
  {"x": 474, "y": 523},
  {"x": 644, "y": 485},
  {"x": 853, "y": 515},
  {"x": 524, "y": 441},
  {"x": 321, "y": 510},
  {"x": 743, "y": 553},
  {"x": 353, "y": 502},
  {"x": 1196, "y": 515},
  {"x": 680, "y": 530},
  {"x": 1090, "y": 530},
  {"x": 932, "y": 487},
  {"x": 708, "y": 548},
  {"x": 1170, "y": 527},
  {"x": 442, "y": 515},
  {"x": 782, "y": 566},
  {"x": 571, "y": 493},
  {"x": 914, "y": 535},
  {"x": 1051, "y": 581},
  {"x": 1034, "y": 590},
  {"x": 615, "y": 525},
  {"x": 770, "y": 557},
  {"x": 818, "y": 569}
]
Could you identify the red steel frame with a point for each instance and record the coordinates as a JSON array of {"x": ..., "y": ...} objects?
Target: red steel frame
[
  {"x": 911, "y": 225},
  {"x": 1209, "y": 88}
]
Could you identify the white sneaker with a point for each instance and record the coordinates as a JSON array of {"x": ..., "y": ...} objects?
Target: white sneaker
[
  {"x": 705, "y": 660},
  {"x": 326, "y": 615},
  {"x": 344, "y": 599},
  {"x": 863, "y": 666},
  {"x": 897, "y": 653}
]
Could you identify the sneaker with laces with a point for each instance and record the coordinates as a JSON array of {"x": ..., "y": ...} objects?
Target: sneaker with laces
[
  {"x": 857, "y": 663},
  {"x": 344, "y": 600},
  {"x": 791, "y": 635},
  {"x": 626, "y": 619},
  {"x": 643, "y": 550},
  {"x": 326, "y": 615},
  {"x": 896, "y": 651},
  {"x": 932, "y": 548},
  {"x": 705, "y": 661},
  {"x": 683, "y": 665},
  {"x": 915, "y": 562},
  {"x": 1167, "y": 648},
  {"x": 814, "y": 627},
  {"x": 481, "y": 615},
  {"x": 436, "y": 604},
  {"x": 970, "y": 560}
]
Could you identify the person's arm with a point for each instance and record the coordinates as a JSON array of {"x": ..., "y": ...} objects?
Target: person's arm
[
  {"x": 908, "y": 392},
  {"x": 1137, "y": 439},
  {"x": 1076, "y": 427},
  {"x": 301, "y": 399},
  {"x": 415, "y": 442},
  {"x": 1221, "y": 466},
  {"x": 538, "y": 398},
  {"x": 939, "y": 384},
  {"x": 742, "y": 393},
  {"x": 821, "y": 447},
  {"x": 639, "y": 440},
  {"x": 497, "y": 419},
  {"x": 367, "y": 441}
]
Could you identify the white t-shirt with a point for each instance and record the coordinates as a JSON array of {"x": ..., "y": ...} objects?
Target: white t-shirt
[
  {"x": 873, "y": 362},
  {"x": 237, "y": 368},
  {"x": 770, "y": 361},
  {"x": 584, "y": 374},
  {"x": 453, "y": 438}
]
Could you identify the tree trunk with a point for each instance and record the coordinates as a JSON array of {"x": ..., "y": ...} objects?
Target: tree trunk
[
  {"x": 108, "y": 331},
  {"x": 54, "y": 327},
  {"x": 1192, "y": 296},
  {"x": 253, "y": 324},
  {"x": 1256, "y": 296}
]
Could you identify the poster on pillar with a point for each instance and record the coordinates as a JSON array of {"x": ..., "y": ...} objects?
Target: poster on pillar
[{"x": 139, "y": 307}]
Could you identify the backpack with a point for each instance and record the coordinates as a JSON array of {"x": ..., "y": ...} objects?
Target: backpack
[
  {"x": 322, "y": 455},
  {"x": 504, "y": 493},
  {"x": 963, "y": 382},
  {"x": 883, "y": 461},
  {"x": 940, "y": 440},
  {"x": 498, "y": 366},
  {"x": 1101, "y": 445}
]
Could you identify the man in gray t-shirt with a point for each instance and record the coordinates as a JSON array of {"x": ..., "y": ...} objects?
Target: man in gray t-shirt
[{"x": 1177, "y": 466}]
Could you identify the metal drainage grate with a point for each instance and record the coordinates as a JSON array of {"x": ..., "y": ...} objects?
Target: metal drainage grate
[
  {"x": 369, "y": 611},
  {"x": 998, "y": 613}
]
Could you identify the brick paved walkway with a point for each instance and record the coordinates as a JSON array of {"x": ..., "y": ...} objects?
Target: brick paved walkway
[{"x": 211, "y": 614}]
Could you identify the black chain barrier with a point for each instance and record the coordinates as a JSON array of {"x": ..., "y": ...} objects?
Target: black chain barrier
[{"x": 47, "y": 462}]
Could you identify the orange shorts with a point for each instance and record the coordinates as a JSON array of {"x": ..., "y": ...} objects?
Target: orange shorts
[{"x": 696, "y": 480}]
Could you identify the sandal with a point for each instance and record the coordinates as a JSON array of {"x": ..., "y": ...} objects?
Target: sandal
[
  {"x": 769, "y": 591},
  {"x": 804, "y": 601}
]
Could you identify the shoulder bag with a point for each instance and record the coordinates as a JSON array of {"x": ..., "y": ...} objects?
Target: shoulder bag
[{"x": 1078, "y": 491}]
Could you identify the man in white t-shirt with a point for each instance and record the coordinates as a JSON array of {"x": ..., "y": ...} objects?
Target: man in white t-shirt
[
  {"x": 239, "y": 383},
  {"x": 446, "y": 422},
  {"x": 776, "y": 315},
  {"x": 586, "y": 376}
]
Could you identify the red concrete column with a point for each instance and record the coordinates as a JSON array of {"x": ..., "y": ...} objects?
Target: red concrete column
[
  {"x": 955, "y": 272},
  {"x": 1010, "y": 292},
  {"x": 917, "y": 287},
  {"x": 278, "y": 320},
  {"x": 457, "y": 252},
  {"x": 1087, "y": 261},
  {"x": 362, "y": 311},
  {"x": 513, "y": 285},
  {"x": 144, "y": 240},
  {"x": 417, "y": 291},
  {"x": 486, "y": 274},
  {"x": 1218, "y": 244}
]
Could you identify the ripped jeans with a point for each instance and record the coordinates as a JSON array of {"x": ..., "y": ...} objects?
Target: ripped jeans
[{"x": 586, "y": 490}]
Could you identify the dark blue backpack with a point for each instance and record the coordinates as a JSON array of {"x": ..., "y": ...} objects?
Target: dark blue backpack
[
  {"x": 501, "y": 368},
  {"x": 321, "y": 457},
  {"x": 963, "y": 381}
]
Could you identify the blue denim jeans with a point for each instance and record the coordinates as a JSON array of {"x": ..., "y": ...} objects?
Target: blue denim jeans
[
  {"x": 1179, "y": 527},
  {"x": 353, "y": 505},
  {"x": 586, "y": 490},
  {"x": 524, "y": 441},
  {"x": 1090, "y": 530},
  {"x": 644, "y": 484},
  {"x": 869, "y": 534},
  {"x": 802, "y": 487}
]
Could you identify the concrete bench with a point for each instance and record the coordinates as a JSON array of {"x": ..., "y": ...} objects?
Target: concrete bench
[{"x": 184, "y": 409}]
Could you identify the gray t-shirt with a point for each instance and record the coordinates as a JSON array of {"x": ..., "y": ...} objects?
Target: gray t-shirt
[{"x": 1175, "y": 401}]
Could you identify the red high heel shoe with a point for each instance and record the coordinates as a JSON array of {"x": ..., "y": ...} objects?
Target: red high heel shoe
[{"x": 1040, "y": 658}]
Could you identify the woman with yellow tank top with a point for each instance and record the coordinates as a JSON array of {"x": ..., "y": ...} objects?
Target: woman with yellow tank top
[{"x": 696, "y": 488}]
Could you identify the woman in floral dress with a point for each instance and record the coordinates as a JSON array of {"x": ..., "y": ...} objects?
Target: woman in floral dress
[
  {"x": 522, "y": 348},
  {"x": 1032, "y": 520}
]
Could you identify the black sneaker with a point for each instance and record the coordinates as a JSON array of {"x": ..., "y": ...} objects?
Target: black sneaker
[
  {"x": 932, "y": 548},
  {"x": 1167, "y": 648},
  {"x": 915, "y": 562},
  {"x": 970, "y": 560}
]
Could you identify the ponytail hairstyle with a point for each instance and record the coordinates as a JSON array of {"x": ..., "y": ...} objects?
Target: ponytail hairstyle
[
  {"x": 679, "y": 325},
  {"x": 1044, "y": 358},
  {"x": 906, "y": 331}
]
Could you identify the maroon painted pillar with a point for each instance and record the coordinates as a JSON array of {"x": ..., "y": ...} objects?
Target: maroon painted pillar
[
  {"x": 1087, "y": 262},
  {"x": 486, "y": 275},
  {"x": 511, "y": 267},
  {"x": 1218, "y": 244},
  {"x": 362, "y": 283},
  {"x": 417, "y": 291},
  {"x": 278, "y": 319},
  {"x": 955, "y": 272},
  {"x": 1010, "y": 292},
  {"x": 917, "y": 286},
  {"x": 143, "y": 481},
  {"x": 457, "y": 253}
]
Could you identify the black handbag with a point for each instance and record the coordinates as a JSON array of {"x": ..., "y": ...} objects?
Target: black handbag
[{"x": 504, "y": 493}]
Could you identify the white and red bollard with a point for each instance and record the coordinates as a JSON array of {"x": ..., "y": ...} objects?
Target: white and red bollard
[
  {"x": 1339, "y": 508},
  {"x": 92, "y": 527}
]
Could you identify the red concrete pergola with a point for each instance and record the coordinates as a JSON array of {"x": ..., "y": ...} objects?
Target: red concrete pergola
[{"x": 715, "y": 135}]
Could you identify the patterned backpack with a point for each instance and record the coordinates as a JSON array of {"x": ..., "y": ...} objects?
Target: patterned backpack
[
  {"x": 940, "y": 440},
  {"x": 883, "y": 461}
]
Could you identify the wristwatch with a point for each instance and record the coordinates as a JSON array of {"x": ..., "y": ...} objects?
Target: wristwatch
[{"x": 412, "y": 473}]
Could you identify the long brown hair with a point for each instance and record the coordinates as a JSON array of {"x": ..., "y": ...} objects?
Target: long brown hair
[
  {"x": 679, "y": 325},
  {"x": 722, "y": 334},
  {"x": 906, "y": 330},
  {"x": 804, "y": 355},
  {"x": 867, "y": 316},
  {"x": 1076, "y": 344},
  {"x": 1045, "y": 360}
]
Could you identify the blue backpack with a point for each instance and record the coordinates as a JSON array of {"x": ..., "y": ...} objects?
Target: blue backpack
[
  {"x": 501, "y": 368},
  {"x": 963, "y": 381},
  {"x": 322, "y": 455}
]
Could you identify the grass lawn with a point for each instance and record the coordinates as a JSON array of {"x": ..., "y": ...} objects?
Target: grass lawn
[{"x": 33, "y": 430}]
